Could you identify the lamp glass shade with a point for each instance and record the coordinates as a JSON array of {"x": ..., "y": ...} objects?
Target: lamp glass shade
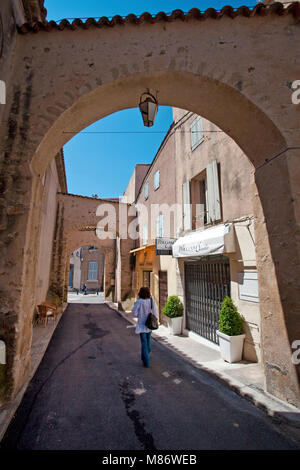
[{"x": 148, "y": 110}]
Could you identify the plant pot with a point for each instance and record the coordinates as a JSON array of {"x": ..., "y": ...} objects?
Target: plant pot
[
  {"x": 175, "y": 325},
  {"x": 231, "y": 347}
]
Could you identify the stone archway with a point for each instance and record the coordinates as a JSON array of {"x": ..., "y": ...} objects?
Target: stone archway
[
  {"x": 78, "y": 218},
  {"x": 87, "y": 237},
  {"x": 73, "y": 75}
]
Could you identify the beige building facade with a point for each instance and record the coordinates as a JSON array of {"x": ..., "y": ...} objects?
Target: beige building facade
[{"x": 180, "y": 181}]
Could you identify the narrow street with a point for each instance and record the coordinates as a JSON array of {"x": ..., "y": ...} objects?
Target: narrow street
[{"x": 92, "y": 392}]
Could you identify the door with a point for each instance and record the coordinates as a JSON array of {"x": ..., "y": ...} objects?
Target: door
[
  {"x": 71, "y": 275},
  {"x": 206, "y": 284},
  {"x": 163, "y": 293},
  {"x": 147, "y": 279}
]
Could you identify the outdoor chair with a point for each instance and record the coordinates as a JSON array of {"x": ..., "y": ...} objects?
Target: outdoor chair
[{"x": 46, "y": 311}]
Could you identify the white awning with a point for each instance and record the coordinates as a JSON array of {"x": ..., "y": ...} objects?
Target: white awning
[{"x": 211, "y": 241}]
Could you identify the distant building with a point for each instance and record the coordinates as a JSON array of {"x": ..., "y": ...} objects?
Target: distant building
[{"x": 87, "y": 267}]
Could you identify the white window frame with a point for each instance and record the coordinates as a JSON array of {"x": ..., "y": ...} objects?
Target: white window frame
[
  {"x": 92, "y": 271},
  {"x": 196, "y": 130},
  {"x": 156, "y": 180}
]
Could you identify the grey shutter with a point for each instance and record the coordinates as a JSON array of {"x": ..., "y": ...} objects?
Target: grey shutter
[
  {"x": 196, "y": 132},
  {"x": 199, "y": 129},
  {"x": 213, "y": 193},
  {"x": 186, "y": 202}
]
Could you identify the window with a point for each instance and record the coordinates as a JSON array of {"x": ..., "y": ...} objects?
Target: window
[
  {"x": 160, "y": 226},
  {"x": 212, "y": 192},
  {"x": 146, "y": 190},
  {"x": 205, "y": 196},
  {"x": 93, "y": 271},
  {"x": 147, "y": 279},
  {"x": 199, "y": 205},
  {"x": 196, "y": 130},
  {"x": 145, "y": 234},
  {"x": 156, "y": 180}
]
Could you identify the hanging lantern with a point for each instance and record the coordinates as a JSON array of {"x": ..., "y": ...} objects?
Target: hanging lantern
[{"x": 148, "y": 108}]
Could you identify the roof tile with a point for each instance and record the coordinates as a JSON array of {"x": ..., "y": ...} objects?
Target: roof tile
[{"x": 259, "y": 9}]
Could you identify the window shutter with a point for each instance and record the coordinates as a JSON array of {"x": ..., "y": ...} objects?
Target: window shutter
[
  {"x": 196, "y": 132},
  {"x": 193, "y": 136},
  {"x": 186, "y": 202},
  {"x": 213, "y": 193},
  {"x": 156, "y": 180}
]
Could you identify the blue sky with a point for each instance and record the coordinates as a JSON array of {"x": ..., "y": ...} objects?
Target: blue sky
[{"x": 102, "y": 163}]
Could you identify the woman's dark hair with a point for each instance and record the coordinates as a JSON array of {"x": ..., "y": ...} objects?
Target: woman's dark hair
[{"x": 144, "y": 293}]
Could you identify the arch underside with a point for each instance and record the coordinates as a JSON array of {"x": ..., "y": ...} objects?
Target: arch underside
[{"x": 223, "y": 105}]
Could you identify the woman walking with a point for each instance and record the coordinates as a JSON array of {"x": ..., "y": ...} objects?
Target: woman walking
[{"x": 141, "y": 309}]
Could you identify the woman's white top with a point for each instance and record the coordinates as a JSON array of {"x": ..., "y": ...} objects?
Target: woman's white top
[{"x": 141, "y": 310}]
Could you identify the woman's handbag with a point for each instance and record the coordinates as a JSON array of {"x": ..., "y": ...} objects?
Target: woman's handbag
[{"x": 151, "y": 321}]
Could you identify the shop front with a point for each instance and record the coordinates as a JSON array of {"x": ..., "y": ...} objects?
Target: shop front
[{"x": 206, "y": 276}]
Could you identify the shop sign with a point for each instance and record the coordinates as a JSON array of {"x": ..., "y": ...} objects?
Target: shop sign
[{"x": 163, "y": 246}]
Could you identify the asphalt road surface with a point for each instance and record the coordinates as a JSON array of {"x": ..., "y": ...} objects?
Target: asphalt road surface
[{"x": 91, "y": 392}]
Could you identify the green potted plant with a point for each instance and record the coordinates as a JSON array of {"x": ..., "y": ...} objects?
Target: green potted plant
[
  {"x": 173, "y": 310},
  {"x": 230, "y": 333}
]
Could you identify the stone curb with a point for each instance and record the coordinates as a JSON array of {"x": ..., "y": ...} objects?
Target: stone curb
[{"x": 274, "y": 408}]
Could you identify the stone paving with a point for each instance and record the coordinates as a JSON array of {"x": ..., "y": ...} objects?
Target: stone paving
[
  {"x": 80, "y": 298},
  {"x": 245, "y": 378}
]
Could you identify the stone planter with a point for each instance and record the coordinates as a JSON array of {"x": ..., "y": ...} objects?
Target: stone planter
[
  {"x": 175, "y": 325},
  {"x": 231, "y": 347}
]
